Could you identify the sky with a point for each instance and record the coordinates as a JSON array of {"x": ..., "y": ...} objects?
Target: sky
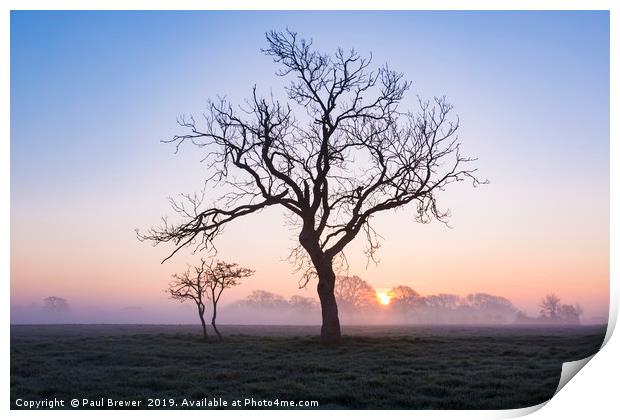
[{"x": 93, "y": 93}]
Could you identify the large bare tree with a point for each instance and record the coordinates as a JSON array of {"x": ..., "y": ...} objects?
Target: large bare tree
[{"x": 334, "y": 154}]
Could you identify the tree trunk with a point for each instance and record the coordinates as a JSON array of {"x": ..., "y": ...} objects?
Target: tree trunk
[
  {"x": 219, "y": 336},
  {"x": 330, "y": 330},
  {"x": 201, "y": 313}
]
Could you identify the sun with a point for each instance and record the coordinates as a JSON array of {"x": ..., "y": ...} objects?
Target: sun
[{"x": 384, "y": 298}]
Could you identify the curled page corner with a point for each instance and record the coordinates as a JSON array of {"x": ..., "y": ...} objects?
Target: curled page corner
[
  {"x": 570, "y": 369},
  {"x": 520, "y": 412},
  {"x": 611, "y": 323}
]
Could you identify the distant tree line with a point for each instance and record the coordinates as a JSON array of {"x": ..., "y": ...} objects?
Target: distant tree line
[
  {"x": 358, "y": 301},
  {"x": 264, "y": 306}
]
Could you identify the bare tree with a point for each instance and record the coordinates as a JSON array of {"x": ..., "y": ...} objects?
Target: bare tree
[
  {"x": 192, "y": 285},
  {"x": 490, "y": 307},
  {"x": 302, "y": 304},
  {"x": 550, "y": 306},
  {"x": 262, "y": 299},
  {"x": 404, "y": 299},
  {"x": 219, "y": 277},
  {"x": 552, "y": 309},
  {"x": 55, "y": 305},
  {"x": 443, "y": 301},
  {"x": 570, "y": 313},
  {"x": 353, "y": 293},
  {"x": 335, "y": 154}
]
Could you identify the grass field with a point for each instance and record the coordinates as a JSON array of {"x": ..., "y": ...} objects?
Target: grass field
[{"x": 375, "y": 367}]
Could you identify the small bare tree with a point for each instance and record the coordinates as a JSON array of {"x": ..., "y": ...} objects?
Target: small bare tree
[
  {"x": 219, "y": 277},
  {"x": 334, "y": 155},
  {"x": 191, "y": 285}
]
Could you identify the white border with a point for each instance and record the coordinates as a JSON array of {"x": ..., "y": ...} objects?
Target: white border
[{"x": 594, "y": 391}]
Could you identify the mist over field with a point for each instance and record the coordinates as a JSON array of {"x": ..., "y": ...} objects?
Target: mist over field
[
  {"x": 33, "y": 314},
  {"x": 359, "y": 304}
]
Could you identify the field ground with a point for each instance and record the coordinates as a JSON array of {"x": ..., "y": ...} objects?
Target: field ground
[{"x": 376, "y": 367}]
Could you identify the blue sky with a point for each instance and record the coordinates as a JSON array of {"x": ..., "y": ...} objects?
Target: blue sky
[{"x": 92, "y": 93}]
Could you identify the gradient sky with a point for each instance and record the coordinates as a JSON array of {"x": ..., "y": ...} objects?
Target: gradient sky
[{"x": 92, "y": 93}]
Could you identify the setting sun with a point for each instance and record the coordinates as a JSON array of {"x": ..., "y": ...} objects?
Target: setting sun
[{"x": 383, "y": 298}]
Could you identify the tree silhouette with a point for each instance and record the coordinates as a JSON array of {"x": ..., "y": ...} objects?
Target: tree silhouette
[
  {"x": 219, "y": 277},
  {"x": 262, "y": 299},
  {"x": 404, "y": 299},
  {"x": 206, "y": 281},
  {"x": 443, "y": 301},
  {"x": 353, "y": 293},
  {"x": 552, "y": 309},
  {"x": 335, "y": 154},
  {"x": 55, "y": 305},
  {"x": 497, "y": 308},
  {"x": 570, "y": 313},
  {"x": 549, "y": 306},
  {"x": 191, "y": 285},
  {"x": 302, "y": 304}
]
